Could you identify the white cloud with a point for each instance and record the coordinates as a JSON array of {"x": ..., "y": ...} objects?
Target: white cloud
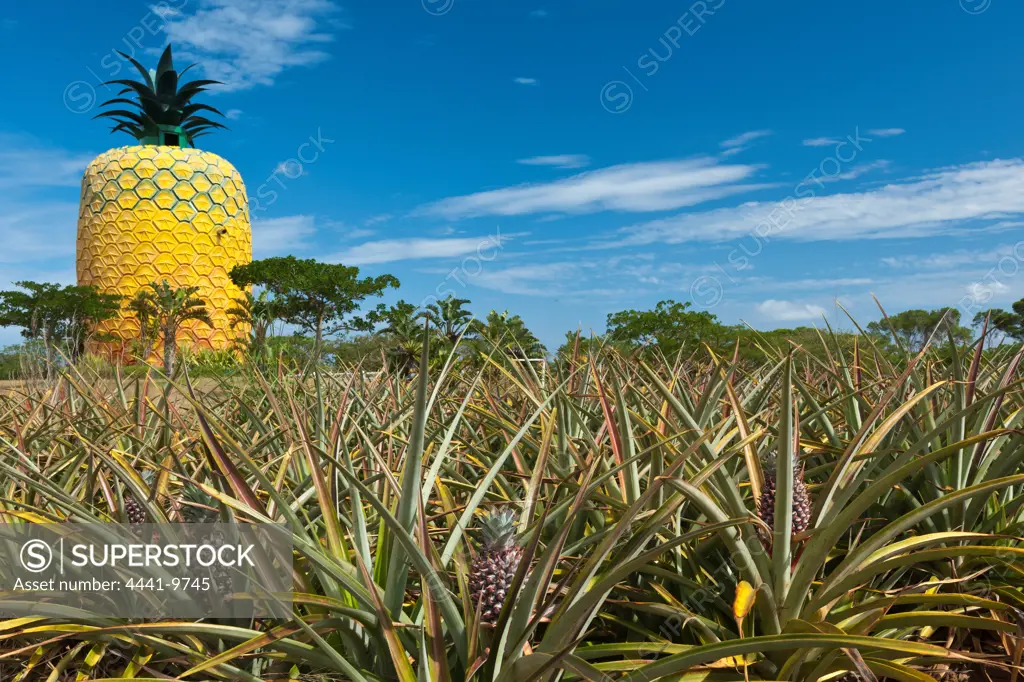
[
  {"x": 951, "y": 259},
  {"x": 538, "y": 13},
  {"x": 886, "y": 132},
  {"x": 27, "y": 163},
  {"x": 525, "y": 280},
  {"x": 381, "y": 218},
  {"x": 936, "y": 203},
  {"x": 282, "y": 236},
  {"x": 820, "y": 142},
  {"x": 39, "y": 188},
  {"x": 789, "y": 311},
  {"x": 526, "y": 81},
  {"x": 812, "y": 284},
  {"x": 653, "y": 186},
  {"x": 558, "y": 161},
  {"x": 744, "y": 138},
  {"x": 245, "y": 43},
  {"x": 857, "y": 171},
  {"x": 233, "y": 114},
  {"x": 390, "y": 250},
  {"x": 39, "y": 230}
]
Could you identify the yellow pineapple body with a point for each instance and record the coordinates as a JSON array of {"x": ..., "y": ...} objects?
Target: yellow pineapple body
[{"x": 150, "y": 213}]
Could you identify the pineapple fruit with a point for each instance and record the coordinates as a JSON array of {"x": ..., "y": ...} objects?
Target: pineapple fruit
[
  {"x": 495, "y": 566},
  {"x": 163, "y": 210},
  {"x": 801, "y": 499},
  {"x": 133, "y": 508}
]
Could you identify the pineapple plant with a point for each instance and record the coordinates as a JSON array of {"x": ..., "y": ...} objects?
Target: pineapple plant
[
  {"x": 200, "y": 507},
  {"x": 495, "y": 566},
  {"x": 162, "y": 209},
  {"x": 801, "y": 499}
]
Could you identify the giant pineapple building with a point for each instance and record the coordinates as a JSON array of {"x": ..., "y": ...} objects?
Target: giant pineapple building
[{"x": 163, "y": 210}]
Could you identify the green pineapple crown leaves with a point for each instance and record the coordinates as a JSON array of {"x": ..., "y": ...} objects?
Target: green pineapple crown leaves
[
  {"x": 160, "y": 99},
  {"x": 499, "y": 527},
  {"x": 199, "y": 506}
]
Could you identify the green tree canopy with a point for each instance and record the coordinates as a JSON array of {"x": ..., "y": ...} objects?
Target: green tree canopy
[
  {"x": 671, "y": 325},
  {"x": 318, "y": 297},
  {"x": 1010, "y": 323},
  {"x": 912, "y": 328},
  {"x": 56, "y": 315}
]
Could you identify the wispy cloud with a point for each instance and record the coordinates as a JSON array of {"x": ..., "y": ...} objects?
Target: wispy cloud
[
  {"x": 886, "y": 132},
  {"x": 526, "y": 81},
  {"x": 281, "y": 236},
  {"x": 788, "y": 311},
  {"x": 38, "y": 200},
  {"x": 390, "y": 250},
  {"x": 558, "y": 161},
  {"x": 538, "y": 13},
  {"x": 524, "y": 280},
  {"x": 744, "y": 138},
  {"x": 245, "y": 43},
  {"x": 820, "y": 142},
  {"x": 36, "y": 230},
  {"x": 26, "y": 162},
  {"x": 857, "y": 171},
  {"x": 947, "y": 260},
  {"x": 233, "y": 114},
  {"x": 936, "y": 203},
  {"x": 639, "y": 187}
]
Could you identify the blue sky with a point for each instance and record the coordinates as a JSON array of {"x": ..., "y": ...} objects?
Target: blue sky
[{"x": 570, "y": 158}]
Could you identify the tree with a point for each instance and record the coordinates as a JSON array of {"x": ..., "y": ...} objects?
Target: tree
[
  {"x": 671, "y": 325},
  {"x": 166, "y": 308},
  {"x": 914, "y": 327},
  {"x": 509, "y": 334},
  {"x": 56, "y": 315},
  {"x": 404, "y": 332},
  {"x": 318, "y": 297},
  {"x": 258, "y": 313},
  {"x": 1009, "y": 323},
  {"x": 449, "y": 317},
  {"x": 149, "y": 325}
]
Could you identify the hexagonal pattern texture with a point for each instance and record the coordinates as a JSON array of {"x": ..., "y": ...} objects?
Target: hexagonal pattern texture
[{"x": 149, "y": 213}]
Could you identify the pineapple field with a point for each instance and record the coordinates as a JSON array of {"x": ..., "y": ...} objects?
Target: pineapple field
[{"x": 826, "y": 513}]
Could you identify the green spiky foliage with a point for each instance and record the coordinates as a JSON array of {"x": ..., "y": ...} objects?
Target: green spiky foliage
[
  {"x": 633, "y": 481},
  {"x": 161, "y": 103},
  {"x": 494, "y": 568}
]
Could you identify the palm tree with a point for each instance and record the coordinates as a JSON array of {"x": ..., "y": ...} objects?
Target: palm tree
[
  {"x": 258, "y": 313},
  {"x": 449, "y": 317},
  {"x": 166, "y": 308},
  {"x": 405, "y": 331},
  {"x": 509, "y": 334},
  {"x": 149, "y": 327}
]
